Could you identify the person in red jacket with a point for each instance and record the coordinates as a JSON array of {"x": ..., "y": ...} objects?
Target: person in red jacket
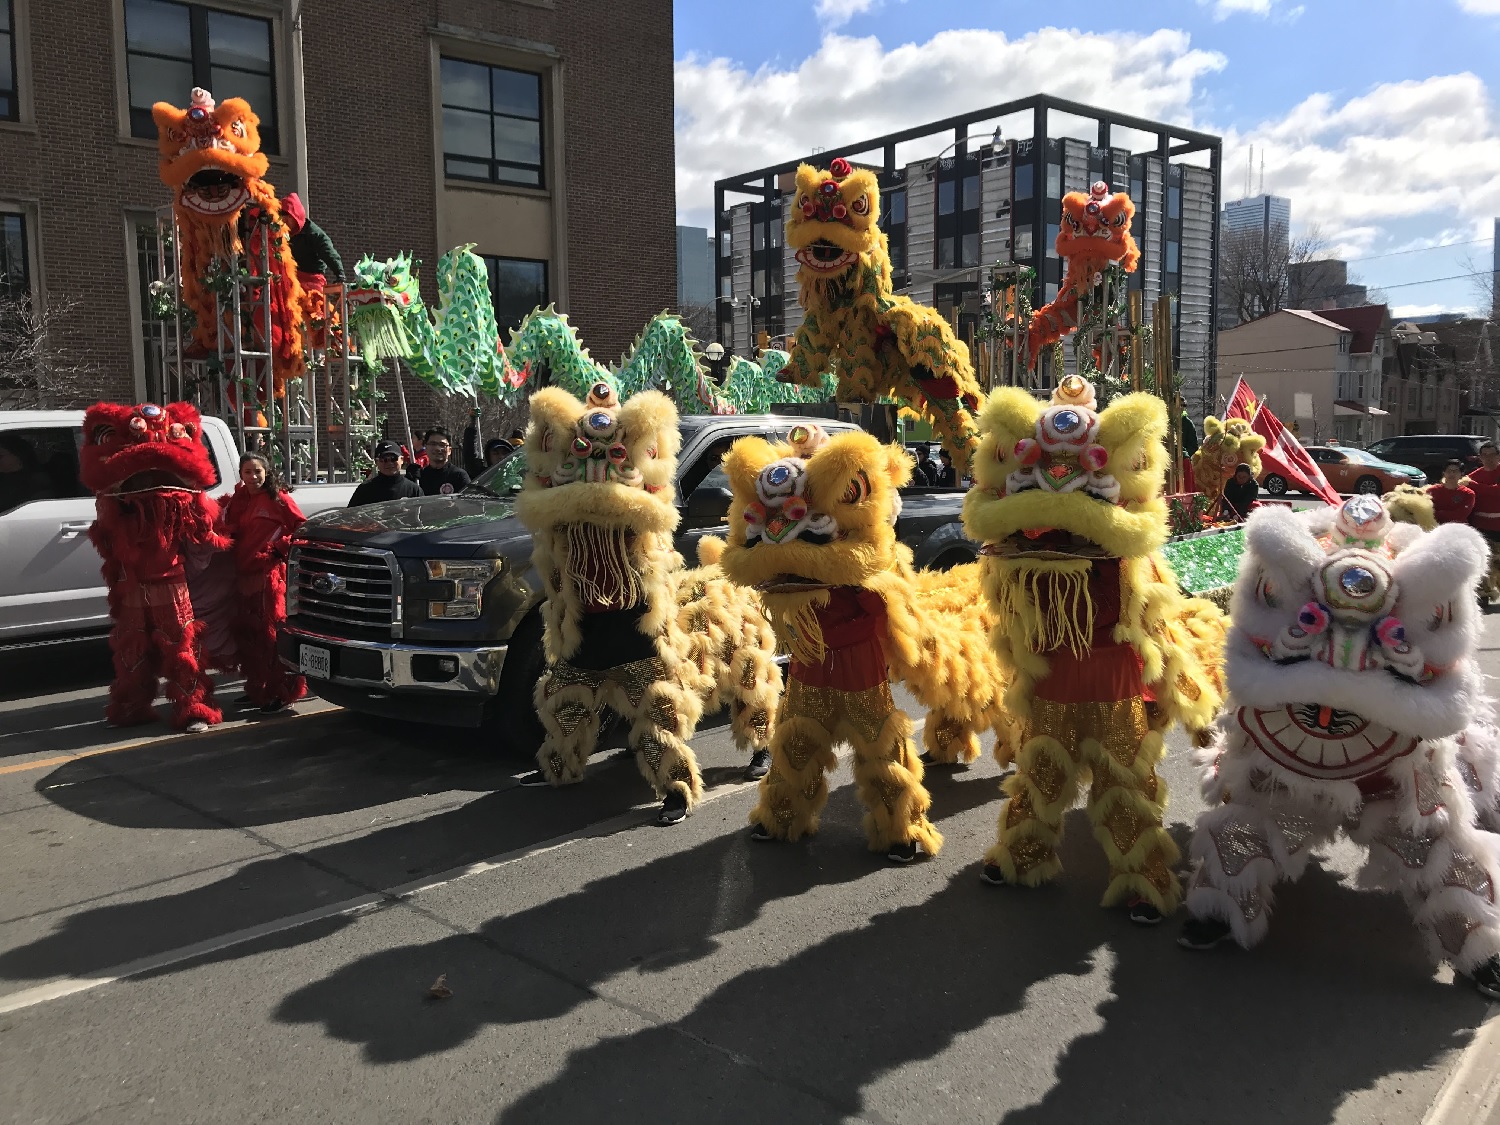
[
  {"x": 259, "y": 517},
  {"x": 1451, "y": 500},
  {"x": 1485, "y": 518}
]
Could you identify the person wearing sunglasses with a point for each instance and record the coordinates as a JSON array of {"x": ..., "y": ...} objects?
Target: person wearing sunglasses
[{"x": 389, "y": 482}]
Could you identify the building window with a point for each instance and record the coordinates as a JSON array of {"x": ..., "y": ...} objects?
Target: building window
[
  {"x": 726, "y": 287},
  {"x": 896, "y": 208},
  {"x": 758, "y": 237},
  {"x": 10, "y": 102},
  {"x": 1343, "y": 343},
  {"x": 15, "y": 265},
  {"x": 1054, "y": 181},
  {"x": 725, "y": 243},
  {"x": 1174, "y": 203},
  {"x": 1173, "y": 252},
  {"x": 970, "y": 250},
  {"x": 1024, "y": 181},
  {"x": 773, "y": 283},
  {"x": 492, "y": 124},
  {"x": 898, "y": 256},
  {"x": 945, "y": 197},
  {"x": 971, "y": 193},
  {"x": 1051, "y": 242},
  {"x": 773, "y": 234},
  {"x": 1021, "y": 245},
  {"x": 758, "y": 283},
  {"x": 171, "y": 47},
  {"x": 517, "y": 285},
  {"x": 945, "y": 253}
]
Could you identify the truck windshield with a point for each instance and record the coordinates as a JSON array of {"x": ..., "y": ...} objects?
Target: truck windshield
[{"x": 503, "y": 478}]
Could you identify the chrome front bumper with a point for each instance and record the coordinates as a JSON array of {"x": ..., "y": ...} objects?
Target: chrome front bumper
[{"x": 478, "y": 670}]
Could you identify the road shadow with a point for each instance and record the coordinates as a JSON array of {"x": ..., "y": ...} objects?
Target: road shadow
[
  {"x": 1339, "y": 997},
  {"x": 646, "y": 919},
  {"x": 52, "y": 668}
]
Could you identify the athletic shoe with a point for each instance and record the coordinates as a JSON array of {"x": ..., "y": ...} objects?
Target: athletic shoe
[
  {"x": 273, "y": 707},
  {"x": 1203, "y": 933},
  {"x": 198, "y": 726},
  {"x": 673, "y": 808},
  {"x": 1143, "y": 912},
  {"x": 760, "y": 765},
  {"x": 761, "y": 834},
  {"x": 1486, "y": 978},
  {"x": 536, "y": 779},
  {"x": 903, "y": 853},
  {"x": 992, "y": 874}
]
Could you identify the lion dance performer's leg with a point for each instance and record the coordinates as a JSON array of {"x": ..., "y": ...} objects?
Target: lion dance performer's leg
[
  {"x": 136, "y": 662},
  {"x": 887, "y": 771},
  {"x": 1038, "y": 794},
  {"x": 950, "y": 739},
  {"x": 660, "y": 710},
  {"x": 1126, "y": 803},
  {"x": 262, "y": 606},
  {"x": 1423, "y": 842},
  {"x": 793, "y": 794},
  {"x": 568, "y": 702},
  {"x": 174, "y": 634}
]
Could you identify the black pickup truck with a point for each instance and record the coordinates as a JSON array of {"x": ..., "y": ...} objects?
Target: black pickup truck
[{"x": 428, "y": 609}]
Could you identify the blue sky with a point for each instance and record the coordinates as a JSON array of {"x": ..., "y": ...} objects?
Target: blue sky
[{"x": 1378, "y": 118}]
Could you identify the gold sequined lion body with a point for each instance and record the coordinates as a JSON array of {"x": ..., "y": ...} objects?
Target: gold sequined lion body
[
  {"x": 878, "y": 342},
  {"x": 627, "y": 624},
  {"x": 1106, "y": 652},
  {"x": 1226, "y": 445},
  {"x": 815, "y": 533}
]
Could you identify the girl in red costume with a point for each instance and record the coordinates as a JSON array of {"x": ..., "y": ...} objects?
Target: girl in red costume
[{"x": 259, "y": 517}]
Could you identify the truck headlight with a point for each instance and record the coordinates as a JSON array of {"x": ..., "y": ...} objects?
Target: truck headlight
[{"x": 466, "y": 582}]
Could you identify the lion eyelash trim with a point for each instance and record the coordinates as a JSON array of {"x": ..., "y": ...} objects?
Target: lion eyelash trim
[{"x": 1049, "y": 604}]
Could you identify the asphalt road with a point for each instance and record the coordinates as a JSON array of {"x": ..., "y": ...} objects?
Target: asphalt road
[{"x": 244, "y": 926}]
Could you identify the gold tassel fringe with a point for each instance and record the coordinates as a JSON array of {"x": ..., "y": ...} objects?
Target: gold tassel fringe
[
  {"x": 795, "y": 619},
  {"x": 1059, "y": 585},
  {"x": 610, "y": 548}
]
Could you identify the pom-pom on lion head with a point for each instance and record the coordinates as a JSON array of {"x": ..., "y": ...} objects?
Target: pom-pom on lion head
[
  {"x": 209, "y": 151},
  {"x": 1350, "y": 642},
  {"x": 1095, "y": 228},
  {"x": 833, "y": 224},
  {"x": 600, "y": 462},
  {"x": 816, "y": 512},
  {"x": 135, "y": 450},
  {"x": 1064, "y": 481}
]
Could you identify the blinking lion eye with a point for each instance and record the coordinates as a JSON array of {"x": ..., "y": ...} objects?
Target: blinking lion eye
[
  {"x": 858, "y": 489},
  {"x": 101, "y": 434},
  {"x": 861, "y": 206}
]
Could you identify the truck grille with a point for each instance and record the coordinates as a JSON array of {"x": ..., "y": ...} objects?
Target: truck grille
[{"x": 348, "y": 591}]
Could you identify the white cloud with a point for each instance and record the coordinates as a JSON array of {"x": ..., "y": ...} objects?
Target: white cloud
[
  {"x": 1406, "y": 312},
  {"x": 1223, "y": 9},
  {"x": 1480, "y": 7},
  {"x": 1426, "y": 150},
  {"x": 836, "y": 13},
  {"x": 730, "y": 119}
]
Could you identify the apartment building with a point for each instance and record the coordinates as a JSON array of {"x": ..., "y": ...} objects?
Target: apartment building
[
  {"x": 993, "y": 195},
  {"x": 540, "y": 132}
]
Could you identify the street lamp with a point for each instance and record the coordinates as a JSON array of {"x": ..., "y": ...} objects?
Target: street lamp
[{"x": 714, "y": 356}]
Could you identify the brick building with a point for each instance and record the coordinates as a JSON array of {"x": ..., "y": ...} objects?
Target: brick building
[{"x": 539, "y": 131}]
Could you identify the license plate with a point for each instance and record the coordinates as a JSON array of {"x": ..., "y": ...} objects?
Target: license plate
[{"x": 314, "y": 661}]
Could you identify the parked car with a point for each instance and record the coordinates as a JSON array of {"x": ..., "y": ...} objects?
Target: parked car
[
  {"x": 429, "y": 609},
  {"x": 1350, "y": 470},
  {"x": 1430, "y": 452},
  {"x": 50, "y": 583}
]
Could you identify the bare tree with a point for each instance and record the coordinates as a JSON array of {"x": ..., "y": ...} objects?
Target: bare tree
[
  {"x": 702, "y": 320},
  {"x": 1264, "y": 272},
  {"x": 37, "y": 368}
]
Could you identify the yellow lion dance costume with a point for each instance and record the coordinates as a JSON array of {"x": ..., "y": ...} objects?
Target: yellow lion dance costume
[
  {"x": 879, "y": 343},
  {"x": 626, "y": 624},
  {"x": 1226, "y": 445},
  {"x": 817, "y": 539},
  {"x": 209, "y": 155},
  {"x": 1107, "y": 652}
]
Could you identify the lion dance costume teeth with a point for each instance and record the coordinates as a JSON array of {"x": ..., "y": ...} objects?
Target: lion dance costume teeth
[
  {"x": 1094, "y": 232},
  {"x": 880, "y": 344},
  {"x": 817, "y": 539},
  {"x": 210, "y": 157},
  {"x": 1357, "y": 706},
  {"x": 149, "y": 472},
  {"x": 1226, "y": 445},
  {"x": 1107, "y": 652},
  {"x": 626, "y": 624}
]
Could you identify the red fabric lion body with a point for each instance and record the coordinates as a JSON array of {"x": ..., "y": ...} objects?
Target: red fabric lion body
[{"x": 149, "y": 472}]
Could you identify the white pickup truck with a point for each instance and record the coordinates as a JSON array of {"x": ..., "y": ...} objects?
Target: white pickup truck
[{"x": 50, "y": 585}]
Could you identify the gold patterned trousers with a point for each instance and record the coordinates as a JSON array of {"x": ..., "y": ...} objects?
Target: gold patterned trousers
[
  {"x": 887, "y": 770},
  {"x": 1113, "y": 748},
  {"x": 660, "y": 711}
]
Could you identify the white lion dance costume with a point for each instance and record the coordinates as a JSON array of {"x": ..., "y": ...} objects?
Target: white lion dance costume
[
  {"x": 1356, "y": 706},
  {"x": 626, "y": 624}
]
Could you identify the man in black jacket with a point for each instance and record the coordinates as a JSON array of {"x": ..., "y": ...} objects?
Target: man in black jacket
[
  {"x": 440, "y": 476},
  {"x": 1240, "y": 493},
  {"x": 388, "y": 483}
]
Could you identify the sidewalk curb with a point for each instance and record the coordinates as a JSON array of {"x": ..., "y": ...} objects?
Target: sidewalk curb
[{"x": 1472, "y": 1090}]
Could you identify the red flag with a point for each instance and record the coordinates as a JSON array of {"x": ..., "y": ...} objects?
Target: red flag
[{"x": 1283, "y": 453}]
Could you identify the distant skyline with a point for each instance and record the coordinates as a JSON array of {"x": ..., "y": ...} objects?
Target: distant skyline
[{"x": 1376, "y": 118}]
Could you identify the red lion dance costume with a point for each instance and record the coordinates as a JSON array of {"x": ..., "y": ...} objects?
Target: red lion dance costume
[
  {"x": 260, "y": 523},
  {"x": 149, "y": 473}
]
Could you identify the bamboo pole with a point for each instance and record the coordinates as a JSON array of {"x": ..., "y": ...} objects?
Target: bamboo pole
[
  {"x": 1161, "y": 339},
  {"x": 1137, "y": 353}
]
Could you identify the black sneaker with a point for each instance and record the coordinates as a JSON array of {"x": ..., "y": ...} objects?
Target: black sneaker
[
  {"x": 1203, "y": 933},
  {"x": 992, "y": 874},
  {"x": 760, "y": 765},
  {"x": 903, "y": 853},
  {"x": 1143, "y": 912},
  {"x": 536, "y": 779},
  {"x": 274, "y": 707},
  {"x": 1486, "y": 978},
  {"x": 673, "y": 808},
  {"x": 761, "y": 834}
]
